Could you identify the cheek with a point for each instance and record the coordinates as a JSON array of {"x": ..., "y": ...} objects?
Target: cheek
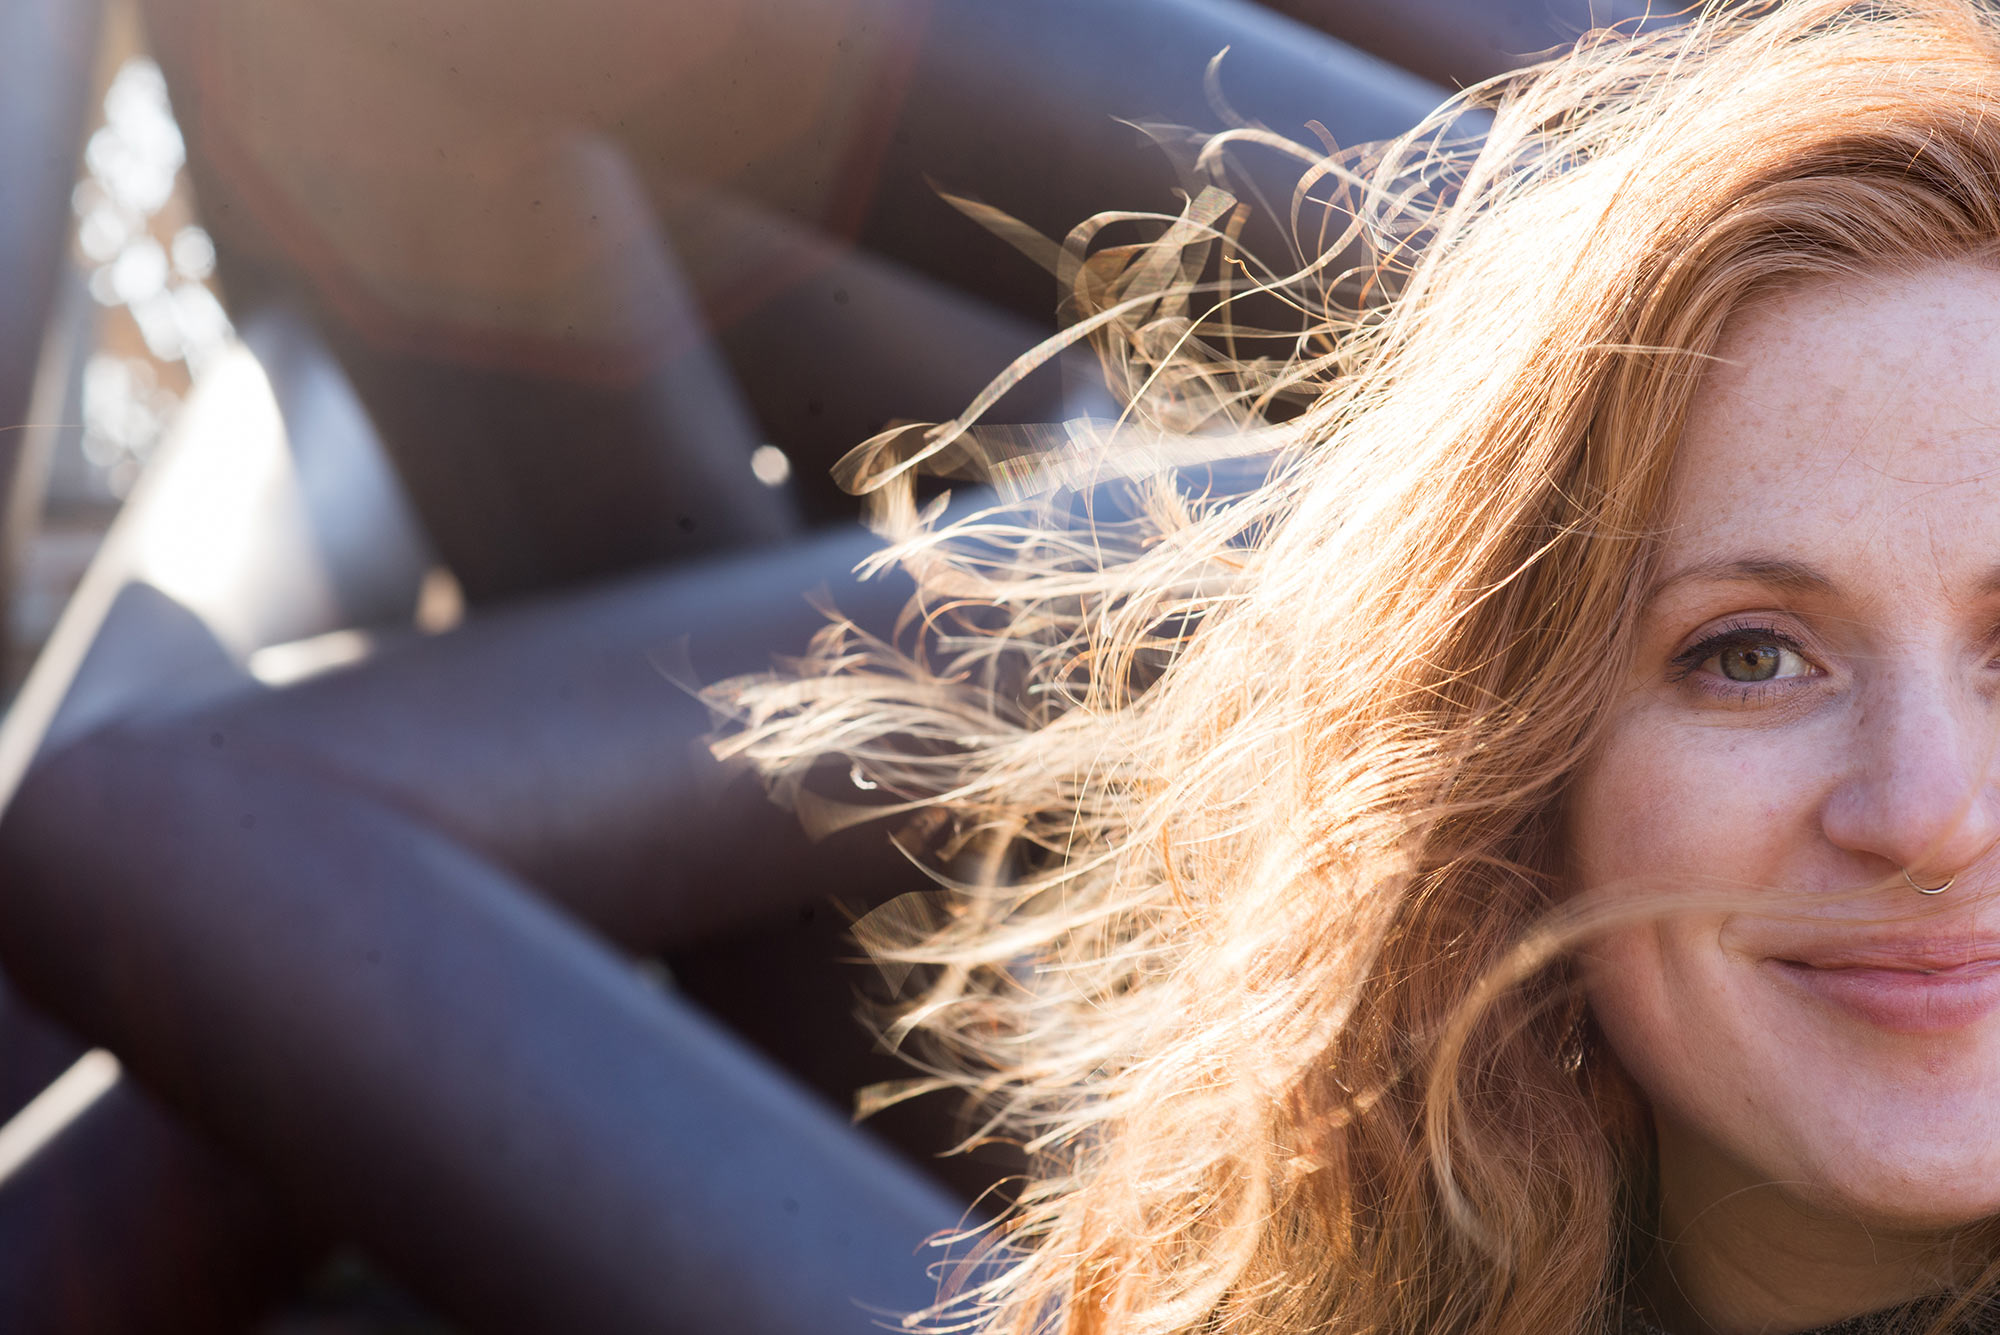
[
  {"x": 1661, "y": 808},
  {"x": 1662, "y": 811},
  {"x": 1679, "y": 1014},
  {"x": 1637, "y": 987}
]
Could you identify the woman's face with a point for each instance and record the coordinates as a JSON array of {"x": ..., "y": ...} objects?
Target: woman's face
[{"x": 1815, "y": 709}]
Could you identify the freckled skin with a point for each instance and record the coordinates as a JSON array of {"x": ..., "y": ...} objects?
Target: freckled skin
[{"x": 1807, "y": 1156}]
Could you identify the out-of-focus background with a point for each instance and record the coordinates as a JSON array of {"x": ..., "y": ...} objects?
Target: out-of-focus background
[{"x": 401, "y": 402}]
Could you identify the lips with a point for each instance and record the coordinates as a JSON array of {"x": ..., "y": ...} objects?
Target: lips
[{"x": 1912, "y": 988}]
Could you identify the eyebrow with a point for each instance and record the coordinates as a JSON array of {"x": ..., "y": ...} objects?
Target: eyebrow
[{"x": 1776, "y": 572}]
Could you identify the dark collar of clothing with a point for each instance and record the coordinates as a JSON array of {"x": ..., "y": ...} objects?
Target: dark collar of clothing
[{"x": 1909, "y": 1319}]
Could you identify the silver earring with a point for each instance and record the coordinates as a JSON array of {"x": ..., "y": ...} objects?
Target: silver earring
[{"x": 1927, "y": 889}]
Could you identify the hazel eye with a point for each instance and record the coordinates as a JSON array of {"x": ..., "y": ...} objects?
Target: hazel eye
[
  {"x": 1741, "y": 656},
  {"x": 1750, "y": 660}
]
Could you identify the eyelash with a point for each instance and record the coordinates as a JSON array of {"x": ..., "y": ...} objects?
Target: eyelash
[{"x": 1688, "y": 660}]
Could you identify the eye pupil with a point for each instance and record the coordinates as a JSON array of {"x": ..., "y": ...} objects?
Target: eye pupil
[{"x": 1750, "y": 662}]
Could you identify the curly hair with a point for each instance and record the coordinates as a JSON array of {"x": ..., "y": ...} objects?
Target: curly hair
[{"x": 1247, "y": 800}]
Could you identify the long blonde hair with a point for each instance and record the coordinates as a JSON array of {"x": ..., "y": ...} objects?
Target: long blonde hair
[{"x": 1243, "y": 798}]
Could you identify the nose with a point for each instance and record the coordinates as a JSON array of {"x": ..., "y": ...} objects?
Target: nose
[{"x": 1918, "y": 787}]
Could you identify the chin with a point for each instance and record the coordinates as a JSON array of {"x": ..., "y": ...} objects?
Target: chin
[
  {"x": 1901, "y": 1129},
  {"x": 1900, "y": 1146},
  {"x": 1849, "y": 1121},
  {"x": 1913, "y": 1186}
]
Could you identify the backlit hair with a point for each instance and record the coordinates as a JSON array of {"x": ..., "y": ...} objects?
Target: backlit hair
[{"x": 1248, "y": 801}]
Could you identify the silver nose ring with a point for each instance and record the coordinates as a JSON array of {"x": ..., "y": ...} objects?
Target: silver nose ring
[{"x": 1927, "y": 889}]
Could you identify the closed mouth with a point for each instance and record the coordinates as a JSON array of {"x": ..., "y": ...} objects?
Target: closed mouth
[
  {"x": 1916, "y": 959},
  {"x": 1903, "y": 989}
]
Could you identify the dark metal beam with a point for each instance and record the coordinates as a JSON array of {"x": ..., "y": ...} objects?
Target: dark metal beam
[
  {"x": 1459, "y": 42},
  {"x": 408, "y": 1045}
]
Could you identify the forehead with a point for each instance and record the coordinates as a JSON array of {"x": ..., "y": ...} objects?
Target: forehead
[{"x": 1844, "y": 412}]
